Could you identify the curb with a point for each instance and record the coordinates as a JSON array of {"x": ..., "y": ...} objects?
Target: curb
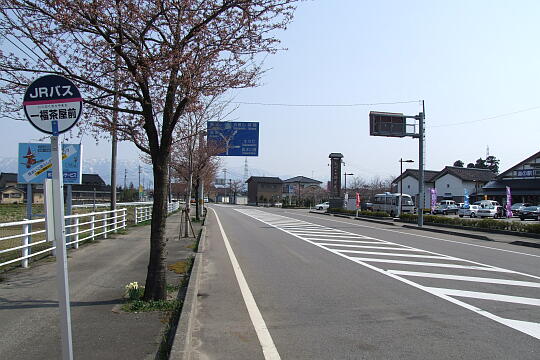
[
  {"x": 448, "y": 232},
  {"x": 384, "y": 222},
  {"x": 182, "y": 348}
]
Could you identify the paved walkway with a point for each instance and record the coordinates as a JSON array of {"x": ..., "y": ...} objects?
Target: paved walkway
[{"x": 98, "y": 273}]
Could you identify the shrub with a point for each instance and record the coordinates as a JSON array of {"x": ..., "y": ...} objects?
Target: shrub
[
  {"x": 478, "y": 223},
  {"x": 363, "y": 212}
]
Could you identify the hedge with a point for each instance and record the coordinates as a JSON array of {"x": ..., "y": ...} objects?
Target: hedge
[
  {"x": 380, "y": 214},
  {"x": 478, "y": 223}
]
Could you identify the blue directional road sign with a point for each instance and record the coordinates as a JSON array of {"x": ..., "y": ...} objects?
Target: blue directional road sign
[{"x": 235, "y": 138}]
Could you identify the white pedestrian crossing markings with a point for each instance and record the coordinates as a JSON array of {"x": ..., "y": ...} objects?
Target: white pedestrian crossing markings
[{"x": 390, "y": 258}]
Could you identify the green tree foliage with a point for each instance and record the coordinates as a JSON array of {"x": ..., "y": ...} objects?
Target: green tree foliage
[
  {"x": 459, "y": 163},
  {"x": 480, "y": 164},
  {"x": 493, "y": 164}
]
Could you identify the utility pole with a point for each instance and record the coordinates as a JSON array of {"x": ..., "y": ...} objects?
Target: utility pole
[
  {"x": 421, "y": 139},
  {"x": 139, "y": 188},
  {"x": 125, "y": 178},
  {"x": 230, "y": 190},
  {"x": 224, "y": 183}
]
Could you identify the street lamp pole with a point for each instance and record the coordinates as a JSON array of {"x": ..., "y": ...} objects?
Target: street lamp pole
[{"x": 401, "y": 161}]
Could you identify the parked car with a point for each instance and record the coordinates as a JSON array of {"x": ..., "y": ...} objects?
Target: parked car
[
  {"x": 518, "y": 207},
  {"x": 470, "y": 210},
  {"x": 446, "y": 209},
  {"x": 485, "y": 203},
  {"x": 530, "y": 212},
  {"x": 492, "y": 211},
  {"x": 447, "y": 202},
  {"x": 322, "y": 206}
]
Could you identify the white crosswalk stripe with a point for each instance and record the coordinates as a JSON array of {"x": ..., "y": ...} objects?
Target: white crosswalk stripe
[{"x": 380, "y": 255}]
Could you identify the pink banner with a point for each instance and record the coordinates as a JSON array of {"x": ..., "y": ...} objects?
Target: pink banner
[{"x": 508, "y": 202}]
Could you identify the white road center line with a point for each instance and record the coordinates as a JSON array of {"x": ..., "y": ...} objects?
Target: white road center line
[
  {"x": 466, "y": 278},
  {"x": 485, "y": 296},
  {"x": 268, "y": 347}
]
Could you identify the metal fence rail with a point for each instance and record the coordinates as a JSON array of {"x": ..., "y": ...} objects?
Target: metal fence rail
[
  {"x": 144, "y": 213},
  {"x": 21, "y": 241}
]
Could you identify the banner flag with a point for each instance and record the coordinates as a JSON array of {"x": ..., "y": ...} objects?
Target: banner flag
[{"x": 508, "y": 202}]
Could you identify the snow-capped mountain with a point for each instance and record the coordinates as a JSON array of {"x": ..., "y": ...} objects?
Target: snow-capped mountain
[{"x": 126, "y": 170}]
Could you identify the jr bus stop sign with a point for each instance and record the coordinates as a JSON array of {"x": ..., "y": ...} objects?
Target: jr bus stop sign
[{"x": 52, "y": 104}]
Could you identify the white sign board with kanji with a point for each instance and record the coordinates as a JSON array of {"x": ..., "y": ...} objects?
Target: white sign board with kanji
[{"x": 52, "y": 104}]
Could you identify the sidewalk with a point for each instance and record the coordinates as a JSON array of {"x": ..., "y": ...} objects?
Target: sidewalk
[{"x": 98, "y": 273}]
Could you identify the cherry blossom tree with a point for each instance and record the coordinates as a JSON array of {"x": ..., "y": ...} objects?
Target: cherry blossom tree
[{"x": 150, "y": 61}]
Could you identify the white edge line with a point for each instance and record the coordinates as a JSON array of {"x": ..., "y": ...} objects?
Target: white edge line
[
  {"x": 268, "y": 347},
  {"x": 507, "y": 322}
]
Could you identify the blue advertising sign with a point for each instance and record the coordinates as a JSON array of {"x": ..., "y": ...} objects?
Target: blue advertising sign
[
  {"x": 235, "y": 138},
  {"x": 35, "y": 163}
]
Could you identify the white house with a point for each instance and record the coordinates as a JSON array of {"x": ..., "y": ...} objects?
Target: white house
[
  {"x": 452, "y": 181},
  {"x": 409, "y": 179}
]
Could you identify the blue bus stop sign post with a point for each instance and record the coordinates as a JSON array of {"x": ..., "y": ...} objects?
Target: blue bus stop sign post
[
  {"x": 53, "y": 105},
  {"x": 234, "y": 138}
]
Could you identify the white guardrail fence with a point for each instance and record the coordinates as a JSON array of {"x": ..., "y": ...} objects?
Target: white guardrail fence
[{"x": 23, "y": 240}]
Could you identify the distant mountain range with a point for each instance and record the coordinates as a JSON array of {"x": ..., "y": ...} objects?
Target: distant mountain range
[
  {"x": 102, "y": 167},
  {"x": 129, "y": 169}
]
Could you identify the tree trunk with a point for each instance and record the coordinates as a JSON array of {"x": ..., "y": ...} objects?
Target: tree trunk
[
  {"x": 188, "y": 203},
  {"x": 197, "y": 199},
  {"x": 156, "y": 284}
]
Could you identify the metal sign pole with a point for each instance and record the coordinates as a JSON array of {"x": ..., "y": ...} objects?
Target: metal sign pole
[
  {"x": 61, "y": 256},
  {"x": 53, "y": 105},
  {"x": 421, "y": 200},
  {"x": 29, "y": 201}
]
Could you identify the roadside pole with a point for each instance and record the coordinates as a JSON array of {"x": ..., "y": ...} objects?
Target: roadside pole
[
  {"x": 29, "y": 201},
  {"x": 421, "y": 138},
  {"x": 61, "y": 256},
  {"x": 53, "y": 105},
  {"x": 395, "y": 125}
]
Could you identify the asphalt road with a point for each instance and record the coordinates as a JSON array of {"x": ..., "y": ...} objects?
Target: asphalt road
[{"x": 332, "y": 288}]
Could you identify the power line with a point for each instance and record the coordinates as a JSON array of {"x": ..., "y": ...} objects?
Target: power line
[
  {"x": 324, "y": 105},
  {"x": 488, "y": 118}
]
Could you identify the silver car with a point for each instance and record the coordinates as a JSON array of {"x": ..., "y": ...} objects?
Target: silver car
[
  {"x": 323, "y": 206},
  {"x": 471, "y": 211},
  {"x": 490, "y": 211}
]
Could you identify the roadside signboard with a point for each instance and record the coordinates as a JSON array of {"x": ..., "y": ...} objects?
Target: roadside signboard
[
  {"x": 387, "y": 124},
  {"x": 234, "y": 138},
  {"x": 35, "y": 163},
  {"x": 52, "y": 104}
]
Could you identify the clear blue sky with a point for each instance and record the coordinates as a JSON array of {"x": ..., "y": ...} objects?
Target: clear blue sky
[{"x": 469, "y": 60}]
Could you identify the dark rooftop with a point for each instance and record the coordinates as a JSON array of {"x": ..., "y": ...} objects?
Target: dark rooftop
[
  {"x": 303, "y": 180},
  {"x": 265, "y": 179}
]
